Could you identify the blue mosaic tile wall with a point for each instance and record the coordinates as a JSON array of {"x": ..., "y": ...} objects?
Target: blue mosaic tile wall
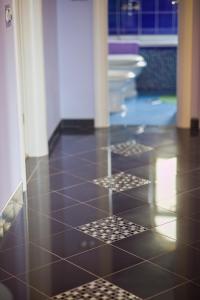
[
  {"x": 142, "y": 17},
  {"x": 160, "y": 73}
]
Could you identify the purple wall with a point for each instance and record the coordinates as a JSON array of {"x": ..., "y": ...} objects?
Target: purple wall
[
  {"x": 51, "y": 63},
  {"x": 10, "y": 176},
  {"x": 75, "y": 30}
]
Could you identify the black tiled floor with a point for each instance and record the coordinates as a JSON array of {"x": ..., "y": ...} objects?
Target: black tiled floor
[
  {"x": 105, "y": 260},
  {"x": 51, "y": 183},
  {"x": 184, "y": 261},
  {"x": 85, "y": 191},
  {"x": 184, "y": 292},
  {"x": 51, "y": 247},
  {"x": 69, "y": 243},
  {"x": 50, "y": 202},
  {"x": 57, "y": 277},
  {"x": 149, "y": 216},
  {"x": 10, "y": 240},
  {"x": 78, "y": 215},
  {"x": 183, "y": 230},
  {"x": 24, "y": 258},
  {"x": 13, "y": 289},
  {"x": 30, "y": 225},
  {"x": 145, "y": 280},
  {"x": 147, "y": 244},
  {"x": 4, "y": 275},
  {"x": 116, "y": 203}
]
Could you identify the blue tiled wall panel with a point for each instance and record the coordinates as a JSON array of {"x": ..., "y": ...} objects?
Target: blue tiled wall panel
[
  {"x": 129, "y": 23},
  {"x": 160, "y": 73},
  {"x": 153, "y": 17},
  {"x": 148, "y": 5}
]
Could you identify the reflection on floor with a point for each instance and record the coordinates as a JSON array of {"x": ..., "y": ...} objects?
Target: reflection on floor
[
  {"x": 147, "y": 110},
  {"x": 111, "y": 214}
]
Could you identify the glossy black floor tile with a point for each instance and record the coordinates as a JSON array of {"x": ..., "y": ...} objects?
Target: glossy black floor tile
[
  {"x": 183, "y": 230},
  {"x": 59, "y": 277},
  {"x": 85, "y": 191},
  {"x": 4, "y": 275},
  {"x": 105, "y": 260},
  {"x": 69, "y": 243},
  {"x": 147, "y": 172},
  {"x": 24, "y": 258},
  {"x": 145, "y": 280},
  {"x": 98, "y": 156},
  {"x": 78, "y": 215},
  {"x": 81, "y": 221},
  {"x": 51, "y": 183},
  {"x": 50, "y": 202},
  {"x": 13, "y": 289},
  {"x": 31, "y": 164},
  {"x": 43, "y": 170},
  {"x": 147, "y": 244},
  {"x": 30, "y": 225},
  {"x": 188, "y": 291},
  {"x": 115, "y": 203},
  {"x": 186, "y": 205},
  {"x": 10, "y": 240},
  {"x": 93, "y": 171},
  {"x": 149, "y": 216},
  {"x": 68, "y": 164},
  {"x": 122, "y": 163},
  {"x": 184, "y": 261}
]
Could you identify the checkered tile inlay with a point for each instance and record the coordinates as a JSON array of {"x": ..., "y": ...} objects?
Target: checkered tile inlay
[
  {"x": 111, "y": 229},
  {"x": 129, "y": 148},
  {"x": 121, "y": 182},
  {"x": 97, "y": 290}
]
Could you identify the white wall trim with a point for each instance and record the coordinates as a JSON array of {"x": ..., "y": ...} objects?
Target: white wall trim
[
  {"x": 19, "y": 96},
  {"x": 32, "y": 75},
  {"x": 100, "y": 38},
  {"x": 185, "y": 63}
]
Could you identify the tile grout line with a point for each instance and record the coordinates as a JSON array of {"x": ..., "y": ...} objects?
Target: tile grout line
[{"x": 167, "y": 290}]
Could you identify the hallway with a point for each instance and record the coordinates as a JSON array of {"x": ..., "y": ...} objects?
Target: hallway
[{"x": 132, "y": 235}]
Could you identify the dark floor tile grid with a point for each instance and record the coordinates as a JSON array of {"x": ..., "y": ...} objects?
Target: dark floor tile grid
[{"x": 79, "y": 157}]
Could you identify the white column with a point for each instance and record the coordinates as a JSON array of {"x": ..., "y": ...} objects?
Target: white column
[
  {"x": 100, "y": 36},
  {"x": 33, "y": 78},
  {"x": 188, "y": 62},
  {"x": 195, "y": 111}
]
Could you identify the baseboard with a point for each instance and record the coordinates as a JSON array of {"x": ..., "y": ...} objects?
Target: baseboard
[
  {"x": 11, "y": 210},
  {"x": 194, "y": 126},
  {"x": 54, "y": 137},
  {"x": 77, "y": 123},
  {"x": 70, "y": 126}
]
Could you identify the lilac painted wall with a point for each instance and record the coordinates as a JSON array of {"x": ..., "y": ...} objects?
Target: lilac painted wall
[
  {"x": 10, "y": 176},
  {"x": 51, "y": 64},
  {"x": 75, "y": 32}
]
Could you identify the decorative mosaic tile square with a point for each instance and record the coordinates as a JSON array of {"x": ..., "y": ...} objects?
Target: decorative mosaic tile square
[
  {"x": 96, "y": 290},
  {"x": 121, "y": 182},
  {"x": 129, "y": 148},
  {"x": 111, "y": 229}
]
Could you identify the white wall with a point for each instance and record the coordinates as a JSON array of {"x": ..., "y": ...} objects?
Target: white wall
[
  {"x": 75, "y": 25},
  {"x": 51, "y": 64},
  {"x": 10, "y": 170}
]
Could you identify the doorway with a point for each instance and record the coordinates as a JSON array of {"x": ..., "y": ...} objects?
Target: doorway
[{"x": 143, "y": 41}]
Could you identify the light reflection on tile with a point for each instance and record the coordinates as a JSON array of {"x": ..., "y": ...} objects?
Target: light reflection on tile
[{"x": 165, "y": 190}]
